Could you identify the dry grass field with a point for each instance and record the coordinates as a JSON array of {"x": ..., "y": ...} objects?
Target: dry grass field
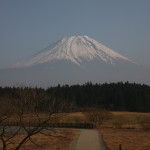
[
  {"x": 123, "y": 128},
  {"x": 128, "y": 138},
  {"x": 126, "y": 130},
  {"x": 58, "y": 141},
  {"x": 75, "y": 117},
  {"x": 126, "y": 120}
]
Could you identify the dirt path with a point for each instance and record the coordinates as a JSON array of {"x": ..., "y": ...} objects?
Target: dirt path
[{"x": 89, "y": 140}]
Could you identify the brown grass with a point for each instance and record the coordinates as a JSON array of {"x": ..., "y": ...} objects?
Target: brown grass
[
  {"x": 129, "y": 139},
  {"x": 129, "y": 119},
  {"x": 75, "y": 117},
  {"x": 61, "y": 141},
  {"x": 126, "y": 120}
]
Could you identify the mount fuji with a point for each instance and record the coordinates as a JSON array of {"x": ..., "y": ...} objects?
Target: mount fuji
[
  {"x": 74, "y": 60},
  {"x": 75, "y": 49}
]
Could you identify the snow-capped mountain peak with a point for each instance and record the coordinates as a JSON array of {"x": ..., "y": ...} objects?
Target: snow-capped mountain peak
[{"x": 75, "y": 49}]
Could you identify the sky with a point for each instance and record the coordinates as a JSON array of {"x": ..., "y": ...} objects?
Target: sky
[{"x": 28, "y": 26}]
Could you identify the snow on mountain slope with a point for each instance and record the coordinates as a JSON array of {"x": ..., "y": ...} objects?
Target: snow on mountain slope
[{"x": 75, "y": 49}]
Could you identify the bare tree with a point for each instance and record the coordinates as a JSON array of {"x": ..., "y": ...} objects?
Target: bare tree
[
  {"x": 97, "y": 116},
  {"x": 5, "y": 115},
  {"x": 24, "y": 118}
]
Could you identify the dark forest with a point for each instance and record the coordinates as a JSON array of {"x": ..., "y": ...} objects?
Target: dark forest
[{"x": 113, "y": 96}]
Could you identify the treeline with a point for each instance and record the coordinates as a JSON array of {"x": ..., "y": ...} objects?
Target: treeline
[{"x": 113, "y": 96}]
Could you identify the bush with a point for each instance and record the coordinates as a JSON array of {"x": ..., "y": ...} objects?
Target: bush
[{"x": 97, "y": 116}]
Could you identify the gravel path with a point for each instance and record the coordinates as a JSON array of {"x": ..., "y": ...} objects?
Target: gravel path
[{"x": 89, "y": 140}]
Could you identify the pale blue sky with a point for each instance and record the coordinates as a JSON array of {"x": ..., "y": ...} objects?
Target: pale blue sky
[{"x": 27, "y": 26}]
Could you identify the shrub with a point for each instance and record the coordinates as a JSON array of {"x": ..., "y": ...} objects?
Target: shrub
[{"x": 97, "y": 116}]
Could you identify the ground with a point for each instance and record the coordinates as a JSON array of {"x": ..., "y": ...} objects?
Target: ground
[
  {"x": 123, "y": 128},
  {"x": 47, "y": 142},
  {"x": 130, "y": 139}
]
